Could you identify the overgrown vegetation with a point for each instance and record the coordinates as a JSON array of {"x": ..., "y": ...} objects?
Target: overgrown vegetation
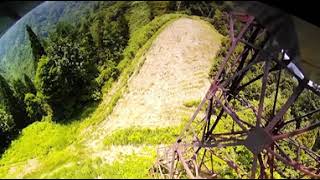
[
  {"x": 140, "y": 135},
  {"x": 82, "y": 61},
  {"x": 71, "y": 65},
  {"x": 192, "y": 103},
  {"x": 83, "y": 167},
  {"x": 46, "y": 130}
]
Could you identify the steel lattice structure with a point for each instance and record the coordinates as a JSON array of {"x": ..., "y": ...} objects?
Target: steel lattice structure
[{"x": 263, "y": 135}]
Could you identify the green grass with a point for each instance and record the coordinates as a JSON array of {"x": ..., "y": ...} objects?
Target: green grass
[
  {"x": 46, "y": 141},
  {"x": 138, "y": 45},
  {"x": 58, "y": 148},
  {"x": 39, "y": 139},
  {"x": 76, "y": 166},
  {"x": 192, "y": 103},
  {"x": 49, "y": 142},
  {"x": 134, "y": 166},
  {"x": 56, "y": 162},
  {"x": 138, "y": 15},
  {"x": 140, "y": 135}
]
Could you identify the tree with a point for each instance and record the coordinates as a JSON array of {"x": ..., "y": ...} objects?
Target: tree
[
  {"x": 30, "y": 88},
  {"x": 19, "y": 89},
  {"x": 34, "y": 107},
  {"x": 87, "y": 42},
  {"x": 96, "y": 31},
  {"x": 6, "y": 94},
  {"x": 36, "y": 46},
  {"x": 65, "y": 75},
  {"x": 114, "y": 39},
  {"x": 6, "y": 121},
  {"x": 11, "y": 103},
  {"x": 138, "y": 15},
  {"x": 220, "y": 23},
  {"x": 7, "y": 126}
]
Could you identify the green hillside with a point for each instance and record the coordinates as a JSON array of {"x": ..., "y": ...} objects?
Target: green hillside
[{"x": 92, "y": 89}]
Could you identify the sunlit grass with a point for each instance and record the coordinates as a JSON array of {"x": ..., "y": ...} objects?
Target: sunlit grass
[
  {"x": 48, "y": 141},
  {"x": 140, "y": 135},
  {"x": 57, "y": 147},
  {"x": 192, "y": 103}
]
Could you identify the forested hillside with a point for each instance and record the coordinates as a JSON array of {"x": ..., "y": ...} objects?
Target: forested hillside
[
  {"x": 15, "y": 52},
  {"x": 72, "y": 74},
  {"x": 56, "y": 59}
]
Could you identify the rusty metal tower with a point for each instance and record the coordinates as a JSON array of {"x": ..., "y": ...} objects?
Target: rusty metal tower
[{"x": 263, "y": 134}]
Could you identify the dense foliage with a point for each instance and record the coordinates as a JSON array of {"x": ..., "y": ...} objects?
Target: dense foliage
[
  {"x": 50, "y": 141},
  {"x": 70, "y": 63},
  {"x": 16, "y": 55},
  {"x": 36, "y": 46},
  {"x": 89, "y": 45},
  {"x": 66, "y": 73}
]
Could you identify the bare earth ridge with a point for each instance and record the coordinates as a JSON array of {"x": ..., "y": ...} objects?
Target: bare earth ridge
[{"x": 175, "y": 70}]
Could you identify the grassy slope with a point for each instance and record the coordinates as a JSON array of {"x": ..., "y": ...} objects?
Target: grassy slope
[
  {"x": 49, "y": 150},
  {"x": 49, "y": 142}
]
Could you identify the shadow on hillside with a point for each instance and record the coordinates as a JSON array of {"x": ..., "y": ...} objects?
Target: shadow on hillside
[{"x": 80, "y": 114}]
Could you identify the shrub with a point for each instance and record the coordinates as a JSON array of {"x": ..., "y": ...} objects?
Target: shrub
[
  {"x": 138, "y": 15},
  {"x": 7, "y": 128},
  {"x": 67, "y": 66},
  {"x": 6, "y": 121},
  {"x": 34, "y": 107},
  {"x": 220, "y": 23}
]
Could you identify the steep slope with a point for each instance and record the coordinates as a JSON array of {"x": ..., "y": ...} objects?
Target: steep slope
[
  {"x": 172, "y": 71},
  {"x": 175, "y": 71}
]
